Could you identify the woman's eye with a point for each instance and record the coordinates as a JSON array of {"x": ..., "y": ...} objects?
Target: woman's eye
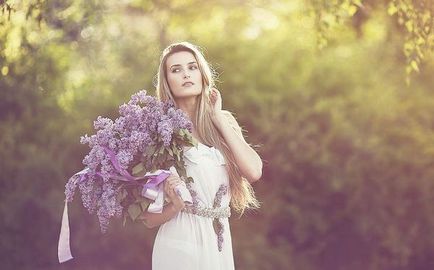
[
  {"x": 193, "y": 67},
  {"x": 175, "y": 70}
]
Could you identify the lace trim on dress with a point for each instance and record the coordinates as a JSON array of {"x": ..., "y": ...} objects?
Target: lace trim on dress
[{"x": 216, "y": 213}]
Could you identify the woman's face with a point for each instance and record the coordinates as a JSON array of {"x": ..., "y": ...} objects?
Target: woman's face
[{"x": 183, "y": 75}]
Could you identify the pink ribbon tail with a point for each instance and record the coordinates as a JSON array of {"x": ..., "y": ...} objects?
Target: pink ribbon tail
[{"x": 64, "y": 249}]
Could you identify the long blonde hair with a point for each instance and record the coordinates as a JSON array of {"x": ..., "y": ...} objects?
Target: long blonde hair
[{"x": 242, "y": 194}]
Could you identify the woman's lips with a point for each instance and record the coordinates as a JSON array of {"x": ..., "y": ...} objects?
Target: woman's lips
[{"x": 187, "y": 84}]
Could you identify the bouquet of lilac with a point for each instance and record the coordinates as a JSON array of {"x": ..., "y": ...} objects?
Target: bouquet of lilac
[{"x": 129, "y": 158}]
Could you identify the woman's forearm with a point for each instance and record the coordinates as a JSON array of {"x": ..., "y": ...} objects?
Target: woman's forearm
[
  {"x": 246, "y": 158},
  {"x": 152, "y": 220}
]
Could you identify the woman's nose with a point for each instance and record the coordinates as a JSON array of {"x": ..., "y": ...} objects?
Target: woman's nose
[{"x": 186, "y": 74}]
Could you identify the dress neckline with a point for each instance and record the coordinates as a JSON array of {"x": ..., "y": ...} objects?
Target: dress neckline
[
  {"x": 198, "y": 142},
  {"x": 198, "y": 145},
  {"x": 205, "y": 145},
  {"x": 195, "y": 152}
]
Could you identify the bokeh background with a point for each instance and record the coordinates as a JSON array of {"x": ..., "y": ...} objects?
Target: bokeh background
[{"x": 338, "y": 96}]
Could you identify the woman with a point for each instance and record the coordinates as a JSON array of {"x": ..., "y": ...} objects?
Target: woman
[{"x": 222, "y": 166}]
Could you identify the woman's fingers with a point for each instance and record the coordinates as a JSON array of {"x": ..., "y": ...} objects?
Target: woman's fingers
[
  {"x": 170, "y": 184},
  {"x": 213, "y": 95},
  {"x": 173, "y": 181},
  {"x": 215, "y": 92},
  {"x": 167, "y": 189}
]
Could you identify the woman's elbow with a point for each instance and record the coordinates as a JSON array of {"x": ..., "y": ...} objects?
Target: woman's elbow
[{"x": 254, "y": 175}]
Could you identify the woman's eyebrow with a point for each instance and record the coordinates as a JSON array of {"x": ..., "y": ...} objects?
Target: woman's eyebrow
[{"x": 176, "y": 65}]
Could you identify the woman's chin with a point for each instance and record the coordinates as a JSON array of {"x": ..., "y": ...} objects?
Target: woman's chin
[{"x": 188, "y": 94}]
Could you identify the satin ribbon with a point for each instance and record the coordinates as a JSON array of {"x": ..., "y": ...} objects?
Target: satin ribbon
[
  {"x": 181, "y": 190},
  {"x": 153, "y": 189},
  {"x": 63, "y": 248}
]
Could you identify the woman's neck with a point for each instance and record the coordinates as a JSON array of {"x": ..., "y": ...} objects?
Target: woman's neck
[{"x": 188, "y": 105}]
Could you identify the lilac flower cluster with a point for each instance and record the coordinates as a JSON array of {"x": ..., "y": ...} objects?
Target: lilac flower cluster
[{"x": 143, "y": 121}]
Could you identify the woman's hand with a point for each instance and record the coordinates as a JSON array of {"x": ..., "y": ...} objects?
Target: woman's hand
[
  {"x": 169, "y": 188},
  {"x": 215, "y": 100}
]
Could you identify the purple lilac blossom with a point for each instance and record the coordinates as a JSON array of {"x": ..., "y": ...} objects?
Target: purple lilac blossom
[
  {"x": 142, "y": 121},
  {"x": 165, "y": 130}
]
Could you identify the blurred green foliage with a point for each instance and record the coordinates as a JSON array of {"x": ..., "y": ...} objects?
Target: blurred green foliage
[{"x": 347, "y": 143}]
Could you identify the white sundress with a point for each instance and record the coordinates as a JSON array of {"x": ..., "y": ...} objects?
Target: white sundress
[{"x": 188, "y": 240}]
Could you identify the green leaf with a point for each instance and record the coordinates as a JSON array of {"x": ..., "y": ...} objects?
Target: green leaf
[
  {"x": 138, "y": 168},
  {"x": 144, "y": 205},
  {"x": 181, "y": 170},
  {"x": 188, "y": 135},
  {"x": 136, "y": 193},
  {"x": 142, "y": 199},
  {"x": 178, "y": 155},
  {"x": 157, "y": 150},
  {"x": 121, "y": 195},
  {"x": 134, "y": 211},
  {"x": 124, "y": 220},
  {"x": 149, "y": 151}
]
